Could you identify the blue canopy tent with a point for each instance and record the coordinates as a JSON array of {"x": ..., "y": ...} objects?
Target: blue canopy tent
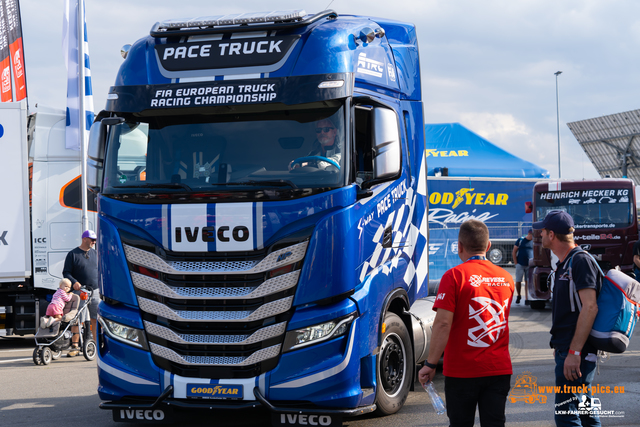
[{"x": 465, "y": 153}]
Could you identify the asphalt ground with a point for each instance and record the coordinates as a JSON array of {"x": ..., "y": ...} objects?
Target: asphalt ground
[{"x": 64, "y": 392}]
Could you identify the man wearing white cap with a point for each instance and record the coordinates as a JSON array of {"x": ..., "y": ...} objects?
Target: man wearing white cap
[{"x": 81, "y": 267}]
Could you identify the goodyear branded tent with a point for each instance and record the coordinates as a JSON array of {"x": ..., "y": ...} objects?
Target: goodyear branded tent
[{"x": 464, "y": 153}]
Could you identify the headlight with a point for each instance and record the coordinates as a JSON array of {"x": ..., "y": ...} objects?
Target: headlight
[
  {"x": 123, "y": 333},
  {"x": 317, "y": 333}
]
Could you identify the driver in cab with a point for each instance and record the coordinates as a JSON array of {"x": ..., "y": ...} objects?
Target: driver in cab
[{"x": 327, "y": 145}]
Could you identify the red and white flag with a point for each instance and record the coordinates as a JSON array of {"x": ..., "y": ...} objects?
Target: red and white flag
[
  {"x": 5, "y": 61},
  {"x": 12, "y": 32}
]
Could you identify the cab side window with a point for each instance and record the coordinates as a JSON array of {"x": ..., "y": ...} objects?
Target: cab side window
[{"x": 364, "y": 154}]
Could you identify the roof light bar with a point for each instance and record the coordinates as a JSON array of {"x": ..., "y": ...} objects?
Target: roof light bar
[{"x": 233, "y": 19}]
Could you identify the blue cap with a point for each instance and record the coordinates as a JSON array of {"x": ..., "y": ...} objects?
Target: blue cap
[
  {"x": 90, "y": 234},
  {"x": 557, "y": 221}
]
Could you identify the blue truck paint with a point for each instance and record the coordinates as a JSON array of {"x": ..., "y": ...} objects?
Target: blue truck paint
[{"x": 219, "y": 265}]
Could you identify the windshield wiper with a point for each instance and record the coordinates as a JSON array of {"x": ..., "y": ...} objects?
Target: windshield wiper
[
  {"x": 166, "y": 185},
  {"x": 272, "y": 183}
]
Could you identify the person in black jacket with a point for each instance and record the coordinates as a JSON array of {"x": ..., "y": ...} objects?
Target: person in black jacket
[{"x": 81, "y": 268}]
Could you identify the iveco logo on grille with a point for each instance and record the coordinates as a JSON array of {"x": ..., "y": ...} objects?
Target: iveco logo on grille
[
  {"x": 239, "y": 233},
  {"x": 228, "y": 53}
]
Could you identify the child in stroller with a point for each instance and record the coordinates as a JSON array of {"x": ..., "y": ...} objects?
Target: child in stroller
[
  {"x": 58, "y": 301},
  {"x": 52, "y": 340}
]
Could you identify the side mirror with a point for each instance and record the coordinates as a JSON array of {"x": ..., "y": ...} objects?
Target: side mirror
[
  {"x": 385, "y": 144},
  {"x": 95, "y": 156}
]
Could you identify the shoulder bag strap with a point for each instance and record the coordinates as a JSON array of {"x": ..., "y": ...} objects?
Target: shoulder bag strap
[{"x": 574, "y": 298}]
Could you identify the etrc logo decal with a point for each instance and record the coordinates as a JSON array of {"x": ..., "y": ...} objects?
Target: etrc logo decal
[
  {"x": 369, "y": 66},
  {"x": 1, "y": 131}
]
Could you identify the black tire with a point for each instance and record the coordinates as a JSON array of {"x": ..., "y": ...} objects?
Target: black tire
[
  {"x": 46, "y": 355},
  {"x": 394, "y": 366},
  {"x": 36, "y": 356},
  {"x": 537, "y": 305},
  {"x": 89, "y": 350},
  {"x": 55, "y": 355}
]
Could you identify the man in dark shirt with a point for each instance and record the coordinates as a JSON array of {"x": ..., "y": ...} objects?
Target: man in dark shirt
[
  {"x": 522, "y": 253},
  {"x": 572, "y": 319},
  {"x": 81, "y": 267}
]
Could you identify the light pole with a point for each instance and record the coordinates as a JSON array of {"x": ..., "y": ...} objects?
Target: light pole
[{"x": 557, "y": 73}]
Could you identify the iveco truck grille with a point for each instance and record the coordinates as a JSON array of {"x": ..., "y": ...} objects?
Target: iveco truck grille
[{"x": 215, "y": 317}]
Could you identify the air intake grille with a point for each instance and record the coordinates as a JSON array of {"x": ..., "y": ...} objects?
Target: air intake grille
[
  {"x": 273, "y": 260},
  {"x": 214, "y": 317}
]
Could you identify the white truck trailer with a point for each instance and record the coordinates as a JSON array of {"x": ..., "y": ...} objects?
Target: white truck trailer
[{"x": 40, "y": 218}]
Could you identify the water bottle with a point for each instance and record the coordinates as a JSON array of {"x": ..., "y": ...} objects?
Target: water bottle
[{"x": 436, "y": 401}]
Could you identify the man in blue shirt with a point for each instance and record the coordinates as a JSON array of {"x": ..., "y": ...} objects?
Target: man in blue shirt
[
  {"x": 522, "y": 253},
  {"x": 81, "y": 268}
]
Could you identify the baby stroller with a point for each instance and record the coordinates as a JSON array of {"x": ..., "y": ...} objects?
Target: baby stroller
[{"x": 51, "y": 341}]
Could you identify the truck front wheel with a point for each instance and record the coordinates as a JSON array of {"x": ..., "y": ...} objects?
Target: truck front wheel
[
  {"x": 496, "y": 255},
  {"x": 394, "y": 366}
]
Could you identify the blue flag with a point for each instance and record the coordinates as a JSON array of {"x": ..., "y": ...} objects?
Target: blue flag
[{"x": 70, "y": 49}]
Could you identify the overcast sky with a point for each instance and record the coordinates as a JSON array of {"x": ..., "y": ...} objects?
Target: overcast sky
[{"x": 488, "y": 65}]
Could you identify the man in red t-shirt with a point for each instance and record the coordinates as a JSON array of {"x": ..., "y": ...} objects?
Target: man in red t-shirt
[{"x": 471, "y": 328}]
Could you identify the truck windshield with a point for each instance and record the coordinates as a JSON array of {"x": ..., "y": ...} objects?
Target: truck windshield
[
  {"x": 277, "y": 150},
  {"x": 590, "y": 209}
]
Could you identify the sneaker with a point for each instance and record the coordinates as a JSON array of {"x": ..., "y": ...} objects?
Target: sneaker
[
  {"x": 518, "y": 300},
  {"x": 44, "y": 322},
  {"x": 73, "y": 352}
]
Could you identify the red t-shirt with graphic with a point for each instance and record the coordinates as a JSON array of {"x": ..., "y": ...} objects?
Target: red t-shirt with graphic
[{"x": 479, "y": 295}]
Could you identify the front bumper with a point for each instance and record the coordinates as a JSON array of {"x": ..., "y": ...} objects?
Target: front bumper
[
  {"x": 164, "y": 409},
  {"x": 165, "y": 401}
]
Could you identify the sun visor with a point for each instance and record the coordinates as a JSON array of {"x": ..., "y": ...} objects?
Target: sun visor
[{"x": 285, "y": 90}]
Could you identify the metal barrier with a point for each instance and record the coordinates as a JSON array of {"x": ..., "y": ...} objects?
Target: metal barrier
[{"x": 443, "y": 245}]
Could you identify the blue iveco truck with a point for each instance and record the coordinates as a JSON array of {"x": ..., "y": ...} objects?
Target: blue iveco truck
[{"x": 263, "y": 219}]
